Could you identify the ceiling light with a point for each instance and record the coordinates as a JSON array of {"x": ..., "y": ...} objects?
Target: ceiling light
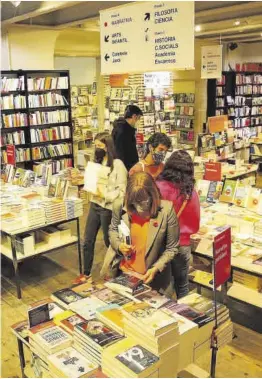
[
  {"x": 16, "y": 3},
  {"x": 237, "y": 22},
  {"x": 261, "y": 34},
  {"x": 197, "y": 28}
]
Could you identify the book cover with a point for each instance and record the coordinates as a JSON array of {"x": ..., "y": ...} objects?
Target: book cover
[
  {"x": 42, "y": 311},
  {"x": 67, "y": 296},
  {"x": 137, "y": 359},
  {"x": 128, "y": 282},
  {"x": 153, "y": 298},
  {"x": 202, "y": 187},
  {"x": 87, "y": 307},
  {"x": 241, "y": 195},
  {"x": 109, "y": 297},
  {"x": 49, "y": 335},
  {"x": 21, "y": 329},
  {"x": 229, "y": 190},
  {"x": 98, "y": 332},
  {"x": 214, "y": 191},
  {"x": 71, "y": 363}
]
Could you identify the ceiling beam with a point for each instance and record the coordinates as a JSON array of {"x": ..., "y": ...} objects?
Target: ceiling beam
[
  {"x": 227, "y": 10},
  {"x": 215, "y": 32},
  {"x": 46, "y": 7}
]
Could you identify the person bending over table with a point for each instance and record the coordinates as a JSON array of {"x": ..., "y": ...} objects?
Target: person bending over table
[{"x": 154, "y": 233}]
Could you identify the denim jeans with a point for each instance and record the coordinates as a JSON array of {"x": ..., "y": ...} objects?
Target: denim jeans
[
  {"x": 180, "y": 269},
  {"x": 97, "y": 217}
]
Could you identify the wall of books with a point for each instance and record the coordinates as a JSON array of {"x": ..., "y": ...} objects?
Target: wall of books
[
  {"x": 167, "y": 104},
  {"x": 36, "y": 118}
]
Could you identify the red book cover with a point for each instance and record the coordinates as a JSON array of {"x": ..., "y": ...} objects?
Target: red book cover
[
  {"x": 213, "y": 171},
  {"x": 10, "y": 152}
]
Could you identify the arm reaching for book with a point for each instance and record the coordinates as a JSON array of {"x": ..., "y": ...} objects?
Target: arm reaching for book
[
  {"x": 172, "y": 240},
  {"x": 149, "y": 275}
]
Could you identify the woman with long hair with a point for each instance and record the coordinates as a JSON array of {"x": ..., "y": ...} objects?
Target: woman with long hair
[
  {"x": 154, "y": 233},
  {"x": 176, "y": 184},
  {"x": 100, "y": 212}
]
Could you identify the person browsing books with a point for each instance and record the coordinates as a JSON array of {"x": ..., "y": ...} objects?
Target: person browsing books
[
  {"x": 154, "y": 233},
  {"x": 124, "y": 136},
  {"x": 100, "y": 212},
  {"x": 155, "y": 152},
  {"x": 176, "y": 183}
]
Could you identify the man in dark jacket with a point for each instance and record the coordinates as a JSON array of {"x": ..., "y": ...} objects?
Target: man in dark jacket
[{"x": 124, "y": 137}]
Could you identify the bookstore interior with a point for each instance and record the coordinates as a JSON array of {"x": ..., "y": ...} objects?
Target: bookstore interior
[{"x": 89, "y": 90}]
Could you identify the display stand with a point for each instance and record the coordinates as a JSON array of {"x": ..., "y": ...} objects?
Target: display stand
[{"x": 12, "y": 255}]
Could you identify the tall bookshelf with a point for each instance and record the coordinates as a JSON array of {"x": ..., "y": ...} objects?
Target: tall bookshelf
[{"x": 36, "y": 117}]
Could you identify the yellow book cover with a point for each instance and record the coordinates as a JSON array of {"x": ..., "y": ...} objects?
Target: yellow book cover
[
  {"x": 241, "y": 195},
  {"x": 229, "y": 191},
  {"x": 113, "y": 315},
  {"x": 62, "y": 316}
]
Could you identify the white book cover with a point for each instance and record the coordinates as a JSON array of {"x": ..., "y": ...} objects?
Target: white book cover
[
  {"x": 87, "y": 307},
  {"x": 94, "y": 174},
  {"x": 72, "y": 363}
]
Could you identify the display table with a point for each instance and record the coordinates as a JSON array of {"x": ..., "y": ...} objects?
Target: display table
[{"x": 16, "y": 258}]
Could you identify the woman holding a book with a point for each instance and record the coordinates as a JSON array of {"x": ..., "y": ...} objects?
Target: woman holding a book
[
  {"x": 154, "y": 234},
  {"x": 100, "y": 211},
  {"x": 155, "y": 152},
  {"x": 176, "y": 184}
]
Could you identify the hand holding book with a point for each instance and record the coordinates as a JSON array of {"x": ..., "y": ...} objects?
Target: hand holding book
[
  {"x": 127, "y": 250},
  {"x": 150, "y": 275}
]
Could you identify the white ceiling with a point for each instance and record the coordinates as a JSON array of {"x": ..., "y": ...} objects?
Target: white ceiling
[{"x": 217, "y": 19}]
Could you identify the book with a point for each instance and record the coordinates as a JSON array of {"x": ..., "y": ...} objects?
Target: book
[
  {"x": 87, "y": 289},
  {"x": 241, "y": 195},
  {"x": 65, "y": 297},
  {"x": 42, "y": 311},
  {"x": 50, "y": 337},
  {"x": 202, "y": 187},
  {"x": 229, "y": 191},
  {"x": 68, "y": 320},
  {"x": 97, "y": 333},
  {"x": 109, "y": 297},
  {"x": 112, "y": 316},
  {"x": 214, "y": 191},
  {"x": 145, "y": 317},
  {"x": 153, "y": 298},
  {"x": 87, "y": 307},
  {"x": 70, "y": 363},
  {"x": 128, "y": 359},
  {"x": 124, "y": 282}
]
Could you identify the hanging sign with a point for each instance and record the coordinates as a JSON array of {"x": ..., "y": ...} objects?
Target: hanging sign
[
  {"x": 222, "y": 256},
  {"x": 147, "y": 36},
  {"x": 211, "y": 62},
  {"x": 10, "y": 152}
]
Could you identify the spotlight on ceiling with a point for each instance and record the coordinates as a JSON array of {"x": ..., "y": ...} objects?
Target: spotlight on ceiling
[
  {"x": 232, "y": 46},
  {"x": 237, "y": 22},
  {"x": 198, "y": 28},
  {"x": 16, "y": 3}
]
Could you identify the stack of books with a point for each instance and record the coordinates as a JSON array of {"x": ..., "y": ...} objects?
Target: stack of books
[
  {"x": 127, "y": 285},
  {"x": 69, "y": 363},
  {"x": 158, "y": 332},
  {"x": 74, "y": 208},
  {"x": 48, "y": 338},
  {"x": 55, "y": 210},
  {"x": 128, "y": 359},
  {"x": 34, "y": 216},
  {"x": 65, "y": 297},
  {"x": 87, "y": 307},
  {"x": 248, "y": 280},
  {"x": 92, "y": 337}
]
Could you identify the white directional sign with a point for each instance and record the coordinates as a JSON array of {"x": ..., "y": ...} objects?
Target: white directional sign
[
  {"x": 211, "y": 62},
  {"x": 147, "y": 36}
]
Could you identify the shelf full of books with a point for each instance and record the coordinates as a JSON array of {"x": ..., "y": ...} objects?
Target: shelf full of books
[
  {"x": 36, "y": 112},
  {"x": 238, "y": 95},
  {"x": 118, "y": 328},
  {"x": 84, "y": 111},
  {"x": 238, "y": 205},
  {"x": 167, "y": 107}
]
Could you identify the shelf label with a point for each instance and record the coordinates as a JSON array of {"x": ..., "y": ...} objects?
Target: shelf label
[
  {"x": 211, "y": 62},
  {"x": 147, "y": 36},
  {"x": 10, "y": 152},
  {"x": 222, "y": 256}
]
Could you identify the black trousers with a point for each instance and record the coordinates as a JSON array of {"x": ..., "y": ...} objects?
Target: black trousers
[
  {"x": 180, "y": 269},
  {"x": 97, "y": 217}
]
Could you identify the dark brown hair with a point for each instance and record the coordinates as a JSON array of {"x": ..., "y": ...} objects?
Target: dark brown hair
[
  {"x": 141, "y": 186},
  {"x": 179, "y": 170},
  {"x": 108, "y": 141}
]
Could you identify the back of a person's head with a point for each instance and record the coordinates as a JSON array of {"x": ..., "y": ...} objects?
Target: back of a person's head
[
  {"x": 140, "y": 187},
  {"x": 158, "y": 139},
  {"x": 132, "y": 110},
  {"x": 179, "y": 169}
]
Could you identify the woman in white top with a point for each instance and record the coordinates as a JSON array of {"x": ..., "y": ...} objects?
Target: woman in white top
[{"x": 100, "y": 212}]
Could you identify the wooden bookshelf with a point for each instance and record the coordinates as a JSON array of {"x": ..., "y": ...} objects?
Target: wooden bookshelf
[{"x": 50, "y": 92}]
